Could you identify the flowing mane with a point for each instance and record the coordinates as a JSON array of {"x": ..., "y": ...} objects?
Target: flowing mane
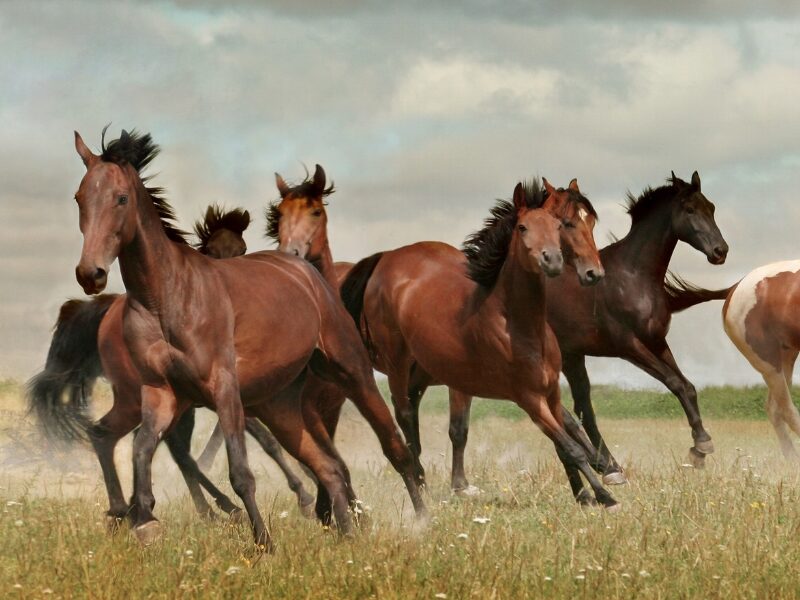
[
  {"x": 651, "y": 198},
  {"x": 304, "y": 189},
  {"x": 487, "y": 248},
  {"x": 216, "y": 219},
  {"x": 139, "y": 150}
]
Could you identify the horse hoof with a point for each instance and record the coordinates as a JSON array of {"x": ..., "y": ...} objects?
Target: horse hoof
[
  {"x": 236, "y": 516},
  {"x": 113, "y": 524},
  {"x": 148, "y": 533},
  {"x": 695, "y": 459},
  {"x": 614, "y": 508},
  {"x": 706, "y": 447},
  {"x": 616, "y": 478},
  {"x": 469, "y": 491}
]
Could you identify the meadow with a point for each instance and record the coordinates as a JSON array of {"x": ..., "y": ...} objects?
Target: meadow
[{"x": 729, "y": 530}]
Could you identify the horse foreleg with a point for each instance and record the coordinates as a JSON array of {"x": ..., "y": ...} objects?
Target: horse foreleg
[
  {"x": 179, "y": 443},
  {"x": 600, "y": 457},
  {"x": 460, "y": 405},
  {"x": 662, "y": 366}
]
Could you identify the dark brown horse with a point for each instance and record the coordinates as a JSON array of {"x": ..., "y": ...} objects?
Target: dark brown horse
[
  {"x": 476, "y": 321},
  {"x": 75, "y": 361},
  {"x": 628, "y": 314},
  {"x": 234, "y": 334}
]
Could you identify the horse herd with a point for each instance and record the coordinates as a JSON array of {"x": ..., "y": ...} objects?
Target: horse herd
[{"x": 281, "y": 339}]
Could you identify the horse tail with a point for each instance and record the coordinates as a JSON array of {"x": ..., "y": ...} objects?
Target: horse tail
[
  {"x": 355, "y": 284},
  {"x": 682, "y": 295},
  {"x": 58, "y": 395}
]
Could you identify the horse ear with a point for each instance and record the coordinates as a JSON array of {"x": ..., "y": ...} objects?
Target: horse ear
[
  {"x": 124, "y": 137},
  {"x": 696, "y": 181},
  {"x": 573, "y": 185},
  {"x": 519, "y": 197},
  {"x": 319, "y": 180},
  {"x": 282, "y": 187},
  {"x": 83, "y": 150},
  {"x": 246, "y": 219},
  {"x": 548, "y": 188}
]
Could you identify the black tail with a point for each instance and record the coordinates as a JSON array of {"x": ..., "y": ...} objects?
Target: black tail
[
  {"x": 58, "y": 394},
  {"x": 682, "y": 295},
  {"x": 353, "y": 286}
]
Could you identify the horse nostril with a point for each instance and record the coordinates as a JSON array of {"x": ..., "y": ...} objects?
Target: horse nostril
[
  {"x": 296, "y": 252},
  {"x": 99, "y": 274},
  {"x": 591, "y": 275},
  {"x": 720, "y": 251},
  {"x": 545, "y": 256}
]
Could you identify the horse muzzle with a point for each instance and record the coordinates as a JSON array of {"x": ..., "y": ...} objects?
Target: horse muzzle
[{"x": 92, "y": 279}]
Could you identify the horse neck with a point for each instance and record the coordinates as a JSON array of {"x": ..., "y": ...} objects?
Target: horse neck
[
  {"x": 650, "y": 244},
  {"x": 147, "y": 262},
  {"x": 520, "y": 295},
  {"x": 324, "y": 262}
]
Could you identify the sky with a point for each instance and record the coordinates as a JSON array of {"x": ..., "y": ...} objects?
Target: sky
[{"x": 422, "y": 113}]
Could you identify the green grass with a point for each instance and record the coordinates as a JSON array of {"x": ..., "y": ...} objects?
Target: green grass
[
  {"x": 729, "y": 531},
  {"x": 611, "y": 402}
]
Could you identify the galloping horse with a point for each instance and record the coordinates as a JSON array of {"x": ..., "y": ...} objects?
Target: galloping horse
[
  {"x": 298, "y": 223},
  {"x": 198, "y": 330},
  {"x": 760, "y": 318},
  {"x": 628, "y": 314},
  {"x": 87, "y": 344},
  {"x": 476, "y": 321}
]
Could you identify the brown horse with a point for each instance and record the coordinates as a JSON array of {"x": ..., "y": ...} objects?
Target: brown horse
[
  {"x": 298, "y": 223},
  {"x": 198, "y": 330},
  {"x": 476, "y": 321},
  {"x": 75, "y": 361},
  {"x": 760, "y": 318}
]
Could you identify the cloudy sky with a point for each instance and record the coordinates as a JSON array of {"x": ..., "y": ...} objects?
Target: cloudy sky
[{"x": 422, "y": 115}]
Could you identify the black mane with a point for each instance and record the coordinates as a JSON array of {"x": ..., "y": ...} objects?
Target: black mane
[
  {"x": 651, "y": 198},
  {"x": 216, "y": 219},
  {"x": 139, "y": 150},
  {"x": 486, "y": 249},
  {"x": 304, "y": 189}
]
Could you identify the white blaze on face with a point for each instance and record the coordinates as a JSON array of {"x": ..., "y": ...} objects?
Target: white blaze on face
[{"x": 583, "y": 213}]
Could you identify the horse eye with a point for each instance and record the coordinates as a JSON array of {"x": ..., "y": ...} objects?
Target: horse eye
[
  {"x": 122, "y": 200},
  {"x": 568, "y": 224},
  {"x": 522, "y": 228},
  {"x": 317, "y": 212},
  {"x": 690, "y": 210}
]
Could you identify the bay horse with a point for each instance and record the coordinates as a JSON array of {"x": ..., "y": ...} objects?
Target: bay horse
[
  {"x": 87, "y": 343},
  {"x": 197, "y": 330},
  {"x": 298, "y": 224},
  {"x": 627, "y": 315},
  {"x": 476, "y": 320},
  {"x": 760, "y": 318}
]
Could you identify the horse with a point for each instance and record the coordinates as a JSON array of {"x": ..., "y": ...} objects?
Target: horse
[
  {"x": 196, "y": 329},
  {"x": 628, "y": 314},
  {"x": 476, "y": 320},
  {"x": 75, "y": 361},
  {"x": 759, "y": 316},
  {"x": 297, "y": 223}
]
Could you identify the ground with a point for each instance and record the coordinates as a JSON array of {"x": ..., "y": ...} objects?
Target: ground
[{"x": 730, "y": 530}]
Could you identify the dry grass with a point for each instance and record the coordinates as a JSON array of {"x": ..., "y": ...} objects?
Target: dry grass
[{"x": 728, "y": 531}]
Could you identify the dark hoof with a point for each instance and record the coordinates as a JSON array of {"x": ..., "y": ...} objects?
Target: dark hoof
[
  {"x": 695, "y": 459},
  {"x": 706, "y": 447},
  {"x": 613, "y": 508},
  {"x": 616, "y": 478},
  {"x": 148, "y": 533},
  {"x": 468, "y": 491}
]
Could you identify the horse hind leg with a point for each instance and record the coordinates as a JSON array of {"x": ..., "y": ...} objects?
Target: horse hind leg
[
  {"x": 779, "y": 408},
  {"x": 270, "y": 445},
  {"x": 460, "y": 405}
]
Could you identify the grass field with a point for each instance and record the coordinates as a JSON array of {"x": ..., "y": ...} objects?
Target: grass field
[{"x": 730, "y": 530}]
